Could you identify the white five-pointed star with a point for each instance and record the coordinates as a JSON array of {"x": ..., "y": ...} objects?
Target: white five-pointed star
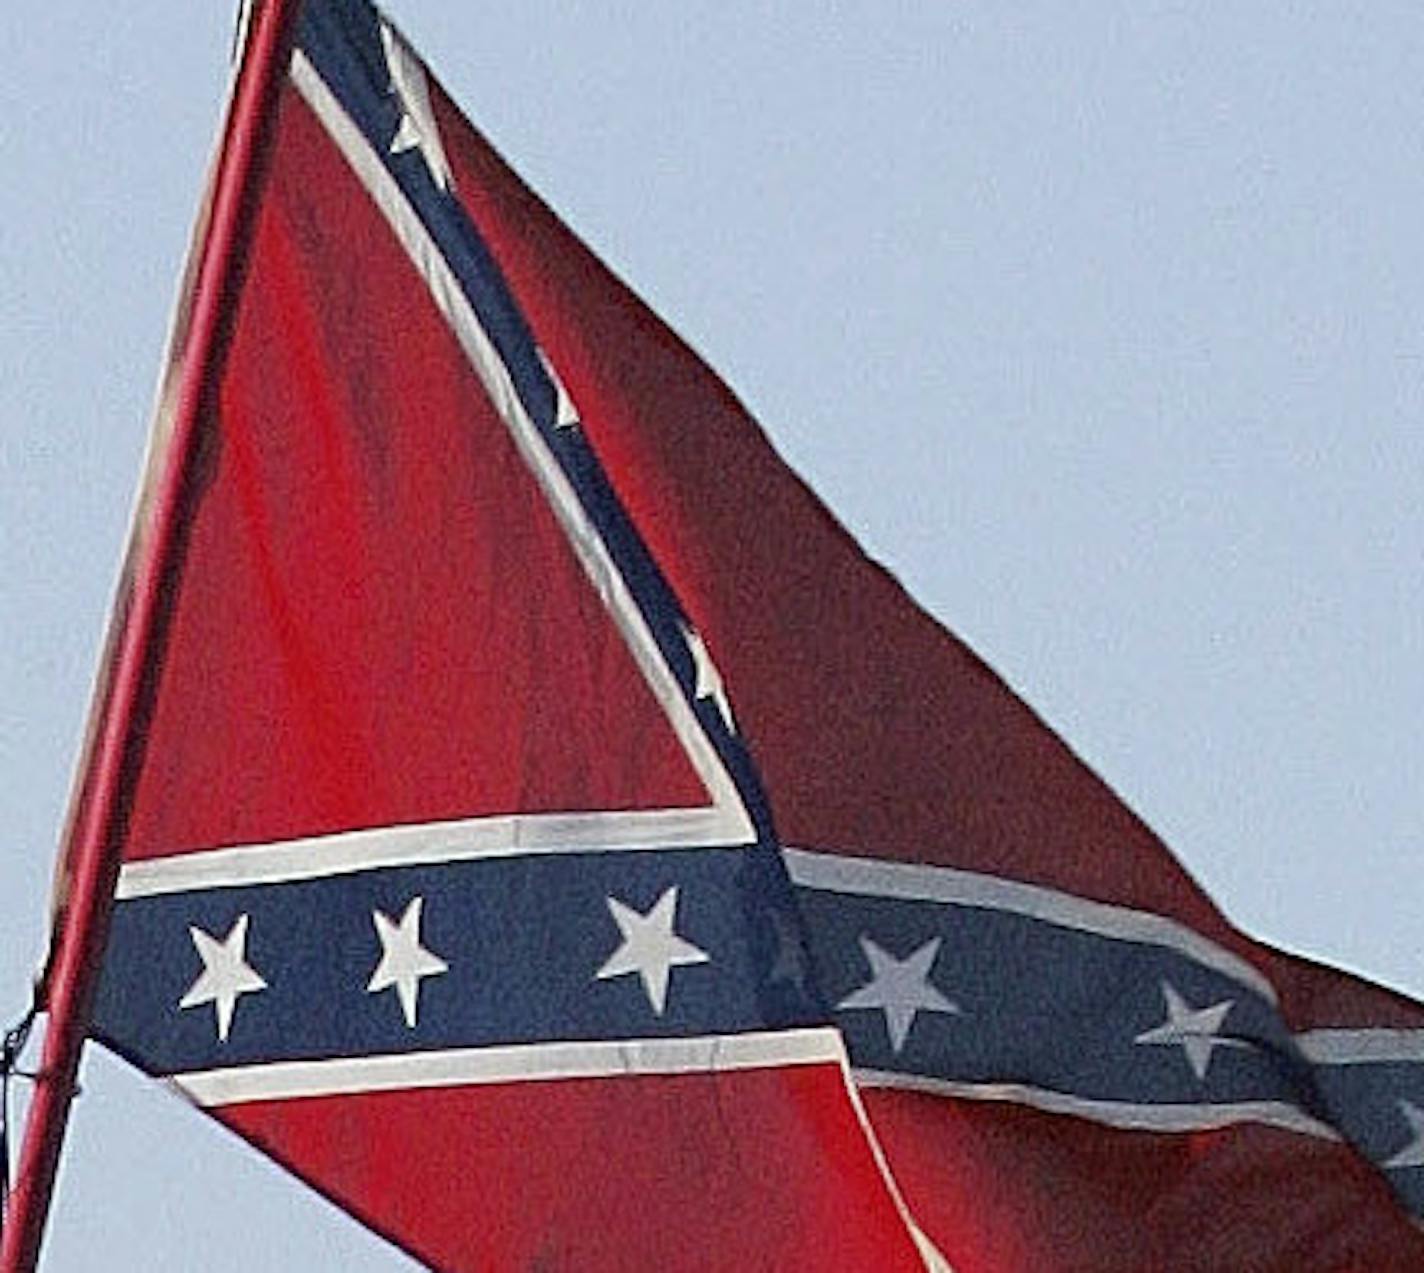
[
  {"x": 417, "y": 123},
  {"x": 1412, "y": 1155},
  {"x": 709, "y": 679},
  {"x": 1194, "y": 1030},
  {"x": 565, "y": 413},
  {"x": 900, "y": 988},
  {"x": 226, "y": 974},
  {"x": 404, "y": 961},
  {"x": 650, "y": 947}
]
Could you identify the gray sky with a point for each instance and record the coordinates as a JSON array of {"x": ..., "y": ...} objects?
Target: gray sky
[{"x": 1101, "y": 324}]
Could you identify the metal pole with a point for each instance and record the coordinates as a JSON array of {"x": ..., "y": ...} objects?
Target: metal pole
[{"x": 97, "y": 834}]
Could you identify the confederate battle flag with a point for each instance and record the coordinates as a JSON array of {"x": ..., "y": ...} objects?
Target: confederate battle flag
[{"x": 515, "y": 805}]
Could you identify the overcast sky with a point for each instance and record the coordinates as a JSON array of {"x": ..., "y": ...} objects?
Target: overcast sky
[{"x": 1101, "y": 324}]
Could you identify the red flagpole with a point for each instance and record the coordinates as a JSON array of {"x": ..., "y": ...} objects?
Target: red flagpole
[{"x": 96, "y": 836}]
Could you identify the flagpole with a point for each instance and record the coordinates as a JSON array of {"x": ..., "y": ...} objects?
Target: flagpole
[{"x": 96, "y": 836}]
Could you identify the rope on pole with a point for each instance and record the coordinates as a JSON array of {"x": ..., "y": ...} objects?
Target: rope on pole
[{"x": 12, "y": 1048}]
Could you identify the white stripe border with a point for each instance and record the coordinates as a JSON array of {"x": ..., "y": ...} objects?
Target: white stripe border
[
  {"x": 515, "y": 1063},
  {"x": 1376, "y": 1046},
  {"x": 428, "y": 844},
  {"x": 1131, "y": 1116}
]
